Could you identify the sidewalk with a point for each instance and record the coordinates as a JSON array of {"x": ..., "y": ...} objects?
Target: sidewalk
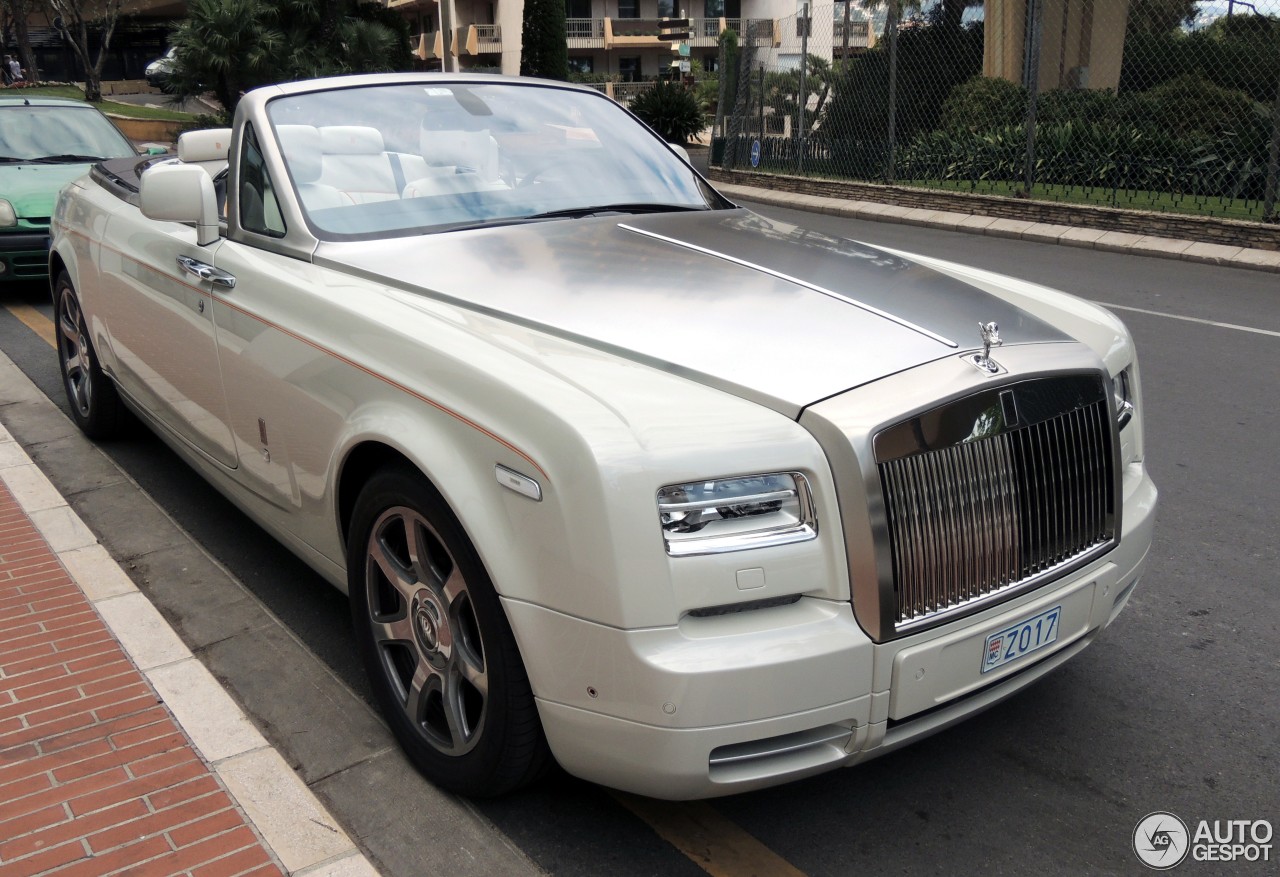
[{"x": 118, "y": 749}]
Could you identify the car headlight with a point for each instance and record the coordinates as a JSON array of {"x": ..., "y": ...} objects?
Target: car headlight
[
  {"x": 734, "y": 514},
  {"x": 1122, "y": 393},
  {"x": 8, "y": 216}
]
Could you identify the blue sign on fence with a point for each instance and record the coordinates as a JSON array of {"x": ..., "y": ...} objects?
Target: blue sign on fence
[{"x": 755, "y": 153}]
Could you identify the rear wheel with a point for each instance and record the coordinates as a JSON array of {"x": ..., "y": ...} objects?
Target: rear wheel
[
  {"x": 436, "y": 644},
  {"x": 95, "y": 405}
]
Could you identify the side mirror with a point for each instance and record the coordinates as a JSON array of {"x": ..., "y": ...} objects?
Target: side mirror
[
  {"x": 679, "y": 150},
  {"x": 181, "y": 193}
]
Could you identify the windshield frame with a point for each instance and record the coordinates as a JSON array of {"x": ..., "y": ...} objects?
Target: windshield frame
[{"x": 692, "y": 191}]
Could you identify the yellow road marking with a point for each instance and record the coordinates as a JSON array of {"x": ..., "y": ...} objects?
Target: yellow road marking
[
  {"x": 715, "y": 844},
  {"x": 35, "y": 321}
]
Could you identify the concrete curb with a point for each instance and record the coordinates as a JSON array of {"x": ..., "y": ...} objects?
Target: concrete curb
[
  {"x": 1089, "y": 238},
  {"x": 289, "y": 818}
]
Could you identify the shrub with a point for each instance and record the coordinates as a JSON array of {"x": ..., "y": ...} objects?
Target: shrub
[
  {"x": 984, "y": 102},
  {"x": 671, "y": 110},
  {"x": 932, "y": 60}
]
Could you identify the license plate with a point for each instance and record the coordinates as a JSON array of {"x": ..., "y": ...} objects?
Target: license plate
[{"x": 1021, "y": 639}]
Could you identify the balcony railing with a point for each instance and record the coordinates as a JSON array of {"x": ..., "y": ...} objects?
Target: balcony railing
[
  {"x": 483, "y": 38},
  {"x": 430, "y": 45},
  {"x": 585, "y": 33},
  {"x": 625, "y": 92},
  {"x": 609, "y": 33}
]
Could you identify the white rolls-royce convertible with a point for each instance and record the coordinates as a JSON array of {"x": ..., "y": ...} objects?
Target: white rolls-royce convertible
[{"x": 615, "y": 473}]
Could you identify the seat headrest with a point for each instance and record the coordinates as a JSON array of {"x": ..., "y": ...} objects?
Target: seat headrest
[
  {"x": 211, "y": 144},
  {"x": 301, "y": 147},
  {"x": 461, "y": 148},
  {"x": 350, "y": 140}
]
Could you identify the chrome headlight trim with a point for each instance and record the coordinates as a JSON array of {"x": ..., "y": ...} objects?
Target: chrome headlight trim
[
  {"x": 1122, "y": 397},
  {"x": 719, "y": 515}
]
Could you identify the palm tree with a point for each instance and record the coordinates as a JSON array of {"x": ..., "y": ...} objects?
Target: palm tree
[{"x": 231, "y": 46}]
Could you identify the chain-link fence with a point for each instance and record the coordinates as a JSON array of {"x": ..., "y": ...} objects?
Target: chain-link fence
[{"x": 1148, "y": 104}]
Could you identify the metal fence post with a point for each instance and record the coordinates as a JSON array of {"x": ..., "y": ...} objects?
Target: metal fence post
[
  {"x": 761, "y": 102},
  {"x": 1273, "y": 164},
  {"x": 891, "y": 27},
  {"x": 803, "y": 96},
  {"x": 1031, "y": 72},
  {"x": 741, "y": 104}
]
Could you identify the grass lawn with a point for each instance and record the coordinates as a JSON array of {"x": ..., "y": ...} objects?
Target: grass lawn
[
  {"x": 1128, "y": 199},
  {"x": 107, "y": 106}
]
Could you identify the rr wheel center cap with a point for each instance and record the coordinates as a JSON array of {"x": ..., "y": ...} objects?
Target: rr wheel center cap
[{"x": 431, "y": 627}]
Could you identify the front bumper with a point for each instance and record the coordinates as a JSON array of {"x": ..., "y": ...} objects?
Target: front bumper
[
  {"x": 24, "y": 255},
  {"x": 726, "y": 705}
]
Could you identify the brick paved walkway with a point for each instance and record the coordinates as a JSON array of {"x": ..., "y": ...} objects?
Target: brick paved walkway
[{"x": 96, "y": 777}]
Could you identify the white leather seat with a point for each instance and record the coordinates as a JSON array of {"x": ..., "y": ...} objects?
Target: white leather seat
[{"x": 301, "y": 147}]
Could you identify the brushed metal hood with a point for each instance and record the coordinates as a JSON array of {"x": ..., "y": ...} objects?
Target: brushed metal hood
[{"x": 766, "y": 310}]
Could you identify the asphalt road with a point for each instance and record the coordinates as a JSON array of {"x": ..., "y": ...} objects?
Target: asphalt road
[{"x": 1174, "y": 708}]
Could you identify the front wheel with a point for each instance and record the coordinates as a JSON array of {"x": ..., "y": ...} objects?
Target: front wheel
[
  {"x": 436, "y": 644},
  {"x": 95, "y": 405}
]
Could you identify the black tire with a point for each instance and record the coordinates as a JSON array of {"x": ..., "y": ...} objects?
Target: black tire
[
  {"x": 95, "y": 405},
  {"x": 436, "y": 643}
]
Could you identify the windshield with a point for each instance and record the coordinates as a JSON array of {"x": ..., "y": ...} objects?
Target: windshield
[
  {"x": 62, "y": 133},
  {"x": 413, "y": 158}
]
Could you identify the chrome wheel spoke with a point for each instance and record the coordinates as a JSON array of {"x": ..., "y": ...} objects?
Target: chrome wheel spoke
[
  {"x": 394, "y": 630},
  {"x": 455, "y": 710},
  {"x": 453, "y": 586},
  {"x": 471, "y": 668},
  {"x": 424, "y": 681},
  {"x": 399, "y": 576}
]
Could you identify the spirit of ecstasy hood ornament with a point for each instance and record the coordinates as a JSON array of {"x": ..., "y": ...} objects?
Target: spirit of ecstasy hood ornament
[{"x": 990, "y": 338}]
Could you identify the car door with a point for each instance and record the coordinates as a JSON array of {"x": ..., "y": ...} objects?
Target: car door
[
  {"x": 285, "y": 434},
  {"x": 159, "y": 291}
]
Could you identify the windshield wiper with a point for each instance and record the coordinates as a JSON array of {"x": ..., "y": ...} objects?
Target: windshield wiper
[
  {"x": 606, "y": 209},
  {"x": 66, "y": 158}
]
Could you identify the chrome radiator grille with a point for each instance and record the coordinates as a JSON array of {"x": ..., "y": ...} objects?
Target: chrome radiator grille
[{"x": 996, "y": 491}]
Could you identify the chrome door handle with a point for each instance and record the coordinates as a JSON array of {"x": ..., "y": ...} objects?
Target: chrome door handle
[{"x": 207, "y": 272}]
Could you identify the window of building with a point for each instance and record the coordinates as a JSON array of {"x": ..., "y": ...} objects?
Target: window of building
[
  {"x": 666, "y": 8},
  {"x": 577, "y": 8},
  {"x": 723, "y": 9},
  {"x": 628, "y": 8},
  {"x": 581, "y": 64},
  {"x": 629, "y": 69}
]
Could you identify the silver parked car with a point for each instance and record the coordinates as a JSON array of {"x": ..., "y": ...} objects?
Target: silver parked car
[{"x": 614, "y": 472}]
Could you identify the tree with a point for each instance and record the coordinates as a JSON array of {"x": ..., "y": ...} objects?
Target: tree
[
  {"x": 231, "y": 46},
  {"x": 544, "y": 49},
  {"x": 1160, "y": 16},
  {"x": 782, "y": 92},
  {"x": 79, "y": 18},
  {"x": 15, "y": 14}
]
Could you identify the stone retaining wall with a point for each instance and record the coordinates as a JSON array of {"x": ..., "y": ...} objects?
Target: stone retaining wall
[{"x": 1170, "y": 225}]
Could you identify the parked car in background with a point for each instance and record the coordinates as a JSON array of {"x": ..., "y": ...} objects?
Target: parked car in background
[
  {"x": 159, "y": 70},
  {"x": 612, "y": 470},
  {"x": 44, "y": 144}
]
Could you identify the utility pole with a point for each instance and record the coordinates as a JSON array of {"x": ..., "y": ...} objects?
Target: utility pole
[{"x": 449, "y": 63}]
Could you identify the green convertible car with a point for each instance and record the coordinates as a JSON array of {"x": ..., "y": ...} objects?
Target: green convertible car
[{"x": 45, "y": 143}]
